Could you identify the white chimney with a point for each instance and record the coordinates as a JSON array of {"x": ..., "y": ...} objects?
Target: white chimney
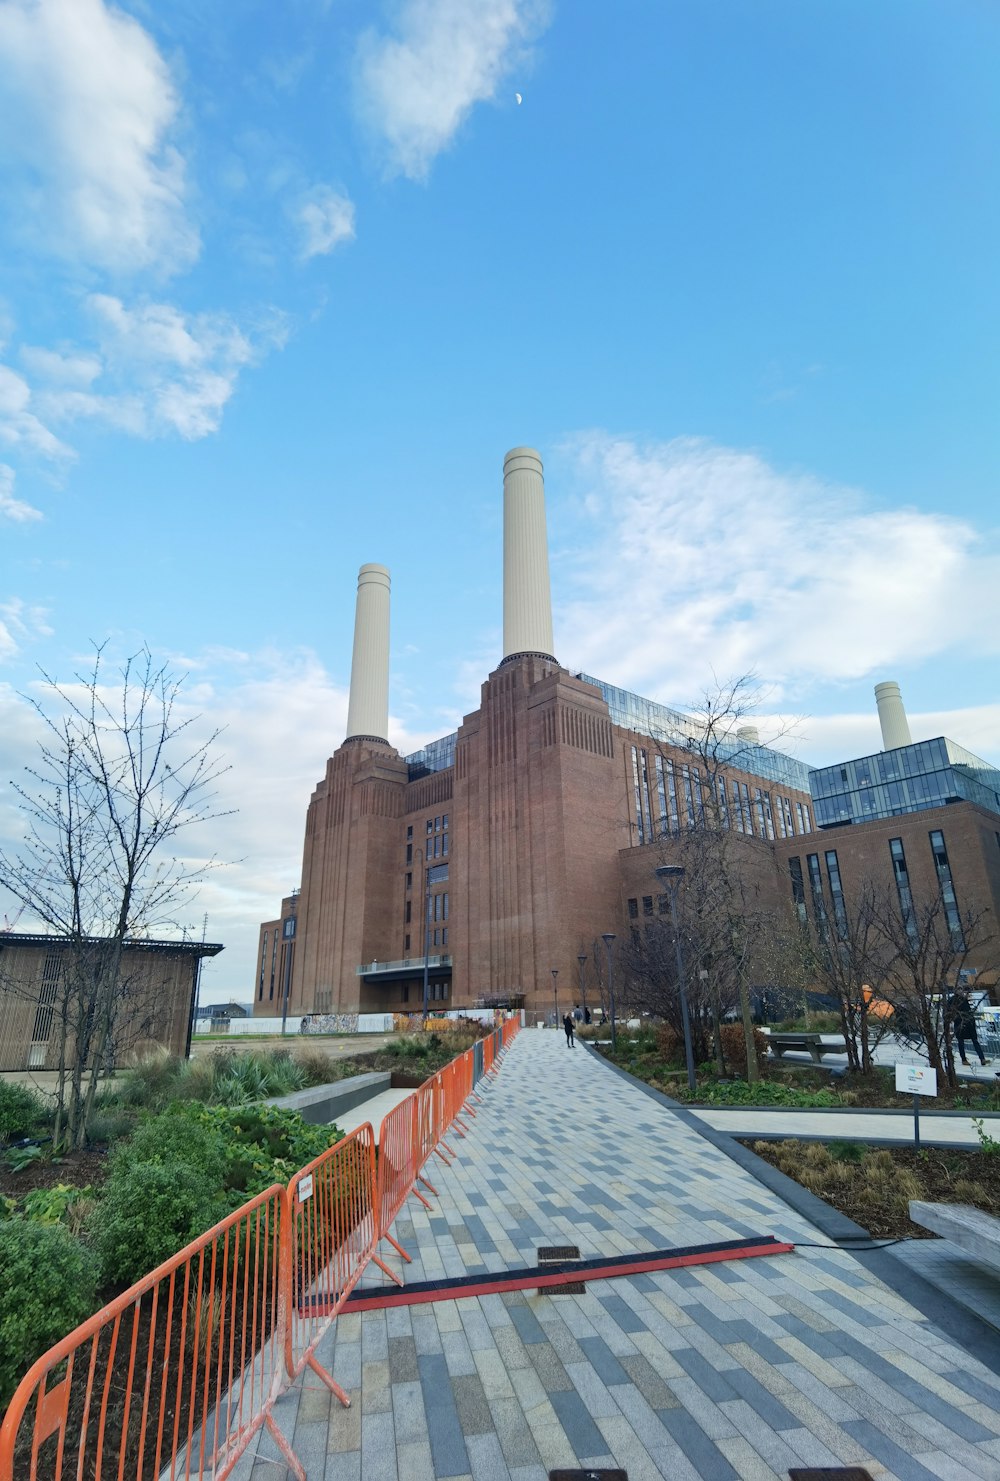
[
  {"x": 892, "y": 716},
  {"x": 527, "y": 600},
  {"x": 368, "y": 708}
]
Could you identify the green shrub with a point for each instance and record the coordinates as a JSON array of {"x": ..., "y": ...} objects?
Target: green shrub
[
  {"x": 110, "y": 1124},
  {"x": 178, "y": 1136},
  {"x": 148, "y": 1212},
  {"x": 49, "y": 1287},
  {"x": 263, "y": 1144},
  {"x": 22, "y": 1111},
  {"x": 152, "y": 1083},
  {"x": 734, "y": 1046}
]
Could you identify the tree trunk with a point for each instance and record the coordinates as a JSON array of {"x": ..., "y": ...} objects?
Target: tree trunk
[{"x": 753, "y": 1066}]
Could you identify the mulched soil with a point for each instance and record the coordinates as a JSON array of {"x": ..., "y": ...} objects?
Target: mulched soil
[
  {"x": 938, "y": 1170},
  {"x": 79, "y": 1169}
]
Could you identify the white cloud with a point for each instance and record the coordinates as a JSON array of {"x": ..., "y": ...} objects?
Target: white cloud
[
  {"x": 61, "y": 367},
  {"x": 159, "y": 370},
  {"x": 11, "y": 508},
  {"x": 416, "y": 88},
  {"x": 689, "y": 558},
  {"x": 20, "y": 622},
  {"x": 325, "y": 218},
  {"x": 87, "y": 108},
  {"x": 19, "y": 426}
]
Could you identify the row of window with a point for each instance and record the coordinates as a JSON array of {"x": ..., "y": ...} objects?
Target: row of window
[
  {"x": 436, "y": 846},
  {"x": 662, "y": 906},
  {"x": 686, "y": 799},
  {"x": 437, "y": 992},
  {"x": 901, "y": 875}
]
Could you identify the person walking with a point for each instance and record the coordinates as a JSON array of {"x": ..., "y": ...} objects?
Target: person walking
[
  {"x": 569, "y": 1026},
  {"x": 964, "y": 1020}
]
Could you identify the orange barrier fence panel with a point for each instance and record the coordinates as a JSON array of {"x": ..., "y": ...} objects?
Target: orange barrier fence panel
[
  {"x": 398, "y": 1165},
  {"x": 333, "y": 1231},
  {"x": 173, "y": 1377}
]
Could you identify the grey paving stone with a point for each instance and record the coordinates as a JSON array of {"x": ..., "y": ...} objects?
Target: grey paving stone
[
  {"x": 703, "y": 1453},
  {"x": 487, "y": 1458},
  {"x": 581, "y": 1431},
  {"x": 704, "y": 1373},
  {"x": 548, "y": 1366},
  {"x": 528, "y": 1326},
  {"x": 409, "y": 1418},
  {"x": 603, "y": 1360},
  {"x": 472, "y": 1405},
  {"x": 378, "y": 1446},
  {"x": 443, "y": 1426},
  {"x": 514, "y": 1433},
  {"x": 649, "y": 1383},
  {"x": 402, "y": 1359},
  {"x": 765, "y": 1405},
  {"x": 903, "y": 1465}
]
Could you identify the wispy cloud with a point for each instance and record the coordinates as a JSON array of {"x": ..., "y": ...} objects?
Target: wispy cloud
[
  {"x": 686, "y": 557},
  {"x": 88, "y": 109},
  {"x": 20, "y": 427},
  {"x": 325, "y": 218},
  {"x": 156, "y": 370},
  {"x": 417, "y": 86},
  {"x": 11, "y": 508}
]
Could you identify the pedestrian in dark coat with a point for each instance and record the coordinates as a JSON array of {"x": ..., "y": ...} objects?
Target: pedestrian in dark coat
[
  {"x": 568, "y": 1025},
  {"x": 964, "y": 1019}
]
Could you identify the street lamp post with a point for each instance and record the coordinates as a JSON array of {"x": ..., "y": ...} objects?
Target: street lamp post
[
  {"x": 671, "y": 875},
  {"x": 555, "y": 994},
  {"x": 583, "y": 985},
  {"x": 608, "y": 937},
  {"x": 427, "y": 929}
]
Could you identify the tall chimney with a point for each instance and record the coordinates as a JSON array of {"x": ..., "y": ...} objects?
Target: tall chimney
[
  {"x": 892, "y": 716},
  {"x": 527, "y": 600},
  {"x": 368, "y": 708}
]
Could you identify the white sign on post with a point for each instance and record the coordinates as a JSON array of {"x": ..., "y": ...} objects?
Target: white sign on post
[
  {"x": 305, "y": 1187},
  {"x": 916, "y": 1079}
]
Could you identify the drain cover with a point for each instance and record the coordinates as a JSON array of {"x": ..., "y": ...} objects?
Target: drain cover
[
  {"x": 588, "y": 1476},
  {"x": 567, "y": 1288},
  {"x": 559, "y": 1252},
  {"x": 829, "y": 1473}
]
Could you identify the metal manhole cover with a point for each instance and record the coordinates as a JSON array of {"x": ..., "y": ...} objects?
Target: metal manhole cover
[
  {"x": 829, "y": 1473},
  {"x": 566, "y": 1288},
  {"x": 559, "y": 1252},
  {"x": 588, "y": 1476}
]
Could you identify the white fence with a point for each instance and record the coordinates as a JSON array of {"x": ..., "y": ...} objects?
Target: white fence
[{"x": 313, "y": 1023}]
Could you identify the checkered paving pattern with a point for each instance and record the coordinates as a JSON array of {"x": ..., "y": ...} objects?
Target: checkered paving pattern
[{"x": 743, "y": 1369}]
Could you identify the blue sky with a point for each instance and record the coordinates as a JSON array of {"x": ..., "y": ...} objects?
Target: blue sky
[{"x": 279, "y": 286}]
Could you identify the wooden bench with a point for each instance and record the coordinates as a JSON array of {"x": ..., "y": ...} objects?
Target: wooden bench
[
  {"x": 811, "y": 1044},
  {"x": 976, "y": 1232}
]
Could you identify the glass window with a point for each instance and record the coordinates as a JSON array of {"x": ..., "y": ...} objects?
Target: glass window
[
  {"x": 409, "y": 853},
  {"x": 637, "y": 796},
  {"x": 444, "y": 843},
  {"x": 647, "y": 904},
  {"x": 444, "y": 822},
  {"x": 437, "y": 825},
  {"x": 406, "y": 943},
  {"x": 430, "y": 825},
  {"x": 947, "y": 888},
  {"x": 633, "y": 909},
  {"x": 798, "y": 814},
  {"x": 444, "y": 936},
  {"x": 819, "y": 902},
  {"x": 288, "y": 927},
  {"x": 902, "y": 877},
  {"x": 444, "y": 906},
  {"x": 407, "y": 912},
  {"x": 747, "y": 814},
  {"x": 409, "y": 881},
  {"x": 409, "y": 831},
  {"x": 737, "y": 809},
  {"x": 836, "y": 893},
  {"x": 661, "y": 904},
  {"x": 798, "y": 888},
  {"x": 688, "y": 796}
]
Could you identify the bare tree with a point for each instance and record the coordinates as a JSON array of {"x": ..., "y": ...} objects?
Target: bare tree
[
  {"x": 849, "y": 954},
  {"x": 116, "y": 782},
  {"x": 733, "y": 933},
  {"x": 927, "y": 947}
]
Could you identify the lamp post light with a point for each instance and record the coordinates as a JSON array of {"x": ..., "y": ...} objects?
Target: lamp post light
[
  {"x": 555, "y": 995},
  {"x": 608, "y": 937},
  {"x": 582, "y": 959},
  {"x": 671, "y": 875},
  {"x": 427, "y": 929}
]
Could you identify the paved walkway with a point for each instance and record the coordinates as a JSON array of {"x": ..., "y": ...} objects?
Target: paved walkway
[
  {"x": 371, "y": 1110},
  {"x": 742, "y": 1369},
  {"x": 865, "y": 1126}
]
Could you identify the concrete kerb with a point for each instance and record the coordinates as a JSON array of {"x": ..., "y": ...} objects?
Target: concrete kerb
[{"x": 979, "y": 1338}]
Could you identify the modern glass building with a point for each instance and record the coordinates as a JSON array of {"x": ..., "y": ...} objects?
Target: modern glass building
[{"x": 909, "y": 779}]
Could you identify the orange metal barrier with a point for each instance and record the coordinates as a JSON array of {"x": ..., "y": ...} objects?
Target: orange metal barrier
[
  {"x": 334, "y": 1228},
  {"x": 172, "y": 1378}
]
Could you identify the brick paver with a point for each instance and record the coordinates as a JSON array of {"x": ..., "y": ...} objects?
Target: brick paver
[{"x": 742, "y": 1369}]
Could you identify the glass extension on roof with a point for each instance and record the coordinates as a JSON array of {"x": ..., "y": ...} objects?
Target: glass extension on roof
[
  {"x": 661, "y": 723},
  {"x": 437, "y": 755},
  {"x": 908, "y": 779}
]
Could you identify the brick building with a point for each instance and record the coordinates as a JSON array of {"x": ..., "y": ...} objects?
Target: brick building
[
  {"x": 499, "y": 854},
  {"x": 505, "y": 849}
]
